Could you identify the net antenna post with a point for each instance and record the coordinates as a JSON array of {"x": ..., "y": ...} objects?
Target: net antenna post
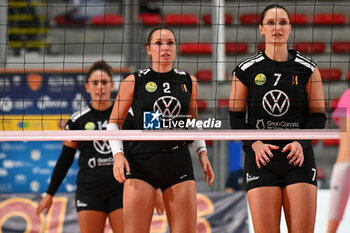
[
  {"x": 132, "y": 39},
  {"x": 3, "y": 32},
  {"x": 218, "y": 71}
]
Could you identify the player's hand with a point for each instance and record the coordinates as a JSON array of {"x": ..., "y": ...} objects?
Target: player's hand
[
  {"x": 206, "y": 166},
  {"x": 45, "y": 203},
  {"x": 263, "y": 152},
  {"x": 296, "y": 154},
  {"x": 159, "y": 203},
  {"x": 120, "y": 163}
]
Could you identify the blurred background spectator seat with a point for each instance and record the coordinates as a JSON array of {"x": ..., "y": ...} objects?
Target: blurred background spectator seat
[
  {"x": 329, "y": 19},
  {"x": 207, "y": 19},
  {"x": 107, "y": 20},
  {"x": 181, "y": 19}
]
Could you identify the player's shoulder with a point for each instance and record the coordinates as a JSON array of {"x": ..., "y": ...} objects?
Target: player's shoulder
[
  {"x": 305, "y": 61},
  {"x": 79, "y": 114},
  {"x": 252, "y": 60},
  {"x": 180, "y": 72},
  {"x": 142, "y": 72}
]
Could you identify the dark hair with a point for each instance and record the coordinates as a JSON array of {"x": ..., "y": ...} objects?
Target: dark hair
[
  {"x": 100, "y": 65},
  {"x": 161, "y": 27},
  {"x": 272, "y": 6}
]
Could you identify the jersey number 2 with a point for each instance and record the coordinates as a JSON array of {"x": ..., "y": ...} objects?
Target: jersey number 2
[{"x": 166, "y": 87}]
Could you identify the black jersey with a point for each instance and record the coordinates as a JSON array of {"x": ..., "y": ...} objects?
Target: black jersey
[
  {"x": 95, "y": 159},
  {"x": 277, "y": 98},
  {"x": 160, "y": 101}
]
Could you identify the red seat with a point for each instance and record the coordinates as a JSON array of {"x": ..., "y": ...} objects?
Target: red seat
[
  {"x": 236, "y": 48},
  {"x": 195, "y": 48},
  {"x": 330, "y": 74},
  {"x": 321, "y": 173},
  {"x": 209, "y": 142},
  {"x": 310, "y": 47},
  {"x": 150, "y": 19},
  {"x": 333, "y": 104},
  {"x": 252, "y": 19},
  {"x": 325, "y": 19},
  {"x": 201, "y": 105},
  {"x": 181, "y": 19},
  {"x": 348, "y": 75},
  {"x": 223, "y": 103},
  {"x": 314, "y": 142},
  {"x": 341, "y": 47},
  {"x": 204, "y": 75},
  {"x": 299, "y": 19},
  {"x": 261, "y": 46},
  {"x": 62, "y": 20},
  {"x": 207, "y": 19},
  {"x": 107, "y": 20},
  {"x": 330, "y": 142}
]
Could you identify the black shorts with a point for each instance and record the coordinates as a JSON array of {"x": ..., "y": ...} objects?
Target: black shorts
[
  {"x": 108, "y": 202},
  {"x": 162, "y": 169},
  {"x": 278, "y": 172}
]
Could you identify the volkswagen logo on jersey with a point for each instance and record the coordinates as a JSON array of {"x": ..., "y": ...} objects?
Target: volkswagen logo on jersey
[
  {"x": 151, "y": 120},
  {"x": 276, "y": 103},
  {"x": 102, "y": 147},
  {"x": 168, "y": 106}
]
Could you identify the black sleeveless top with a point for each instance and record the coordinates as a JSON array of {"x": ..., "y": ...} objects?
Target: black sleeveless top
[
  {"x": 277, "y": 98},
  {"x": 160, "y": 102},
  {"x": 95, "y": 159}
]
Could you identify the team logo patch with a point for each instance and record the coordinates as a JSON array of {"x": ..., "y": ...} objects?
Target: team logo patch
[
  {"x": 260, "y": 79},
  {"x": 260, "y": 124},
  {"x": 183, "y": 88},
  {"x": 151, "y": 86},
  {"x": 151, "y": 120},
  {"x": 90, "y": 126}
]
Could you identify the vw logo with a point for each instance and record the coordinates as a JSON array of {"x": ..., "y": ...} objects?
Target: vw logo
[
  {"x": 168, "y": 106},
  {"x": 102, "y": 147},
  {"x": 276, "y": 103}
]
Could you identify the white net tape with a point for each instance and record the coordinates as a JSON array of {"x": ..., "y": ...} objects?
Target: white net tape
[{"x": 139, "y": 135}]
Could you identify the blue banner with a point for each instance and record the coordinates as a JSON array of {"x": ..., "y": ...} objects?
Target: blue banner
[
  {"x": 38, "y": 101},
  {"x": 26, "y": 167}
]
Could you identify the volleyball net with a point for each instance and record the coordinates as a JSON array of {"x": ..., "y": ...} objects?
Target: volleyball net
[{"x": 47, "y": 47}]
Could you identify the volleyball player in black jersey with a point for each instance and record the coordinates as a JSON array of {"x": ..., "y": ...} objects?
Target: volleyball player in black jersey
[
  {"x": 98, "y": 194},
  {"x": 160, "y": 96},
  {"x": 278, "y": 89}
]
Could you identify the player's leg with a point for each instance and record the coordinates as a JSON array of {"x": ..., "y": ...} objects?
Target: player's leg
[
  {"x": 138, "y": 206},
  {"x": 299, "y": 204},
  {"x": 92, "y": 221},
  {"x": 180, "y": 202},
  {"x": 265, "y": 204},
  {"x": 116, "y": 220},
  {"x": 115, "y": 212},
  {"x": 332, "y": 225}
]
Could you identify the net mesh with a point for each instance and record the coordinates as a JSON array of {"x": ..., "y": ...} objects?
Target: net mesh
[{"x": 49, "y": 45}]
